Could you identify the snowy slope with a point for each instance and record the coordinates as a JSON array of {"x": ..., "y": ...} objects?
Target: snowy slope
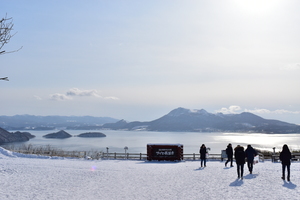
[{"x": 35, "y": 177}]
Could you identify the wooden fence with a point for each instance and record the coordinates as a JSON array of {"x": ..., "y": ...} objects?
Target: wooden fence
[
  {"x": 101, "y": 155},
  {"x": 132, "y": 156},
  {"x": 141, "y": 156},
  {"x": 62, "y": 153},
  {"x": 295, "y": 157}
]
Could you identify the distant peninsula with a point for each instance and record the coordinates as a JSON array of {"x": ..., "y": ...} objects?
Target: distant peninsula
[
  {"x": 8, "y": 137},
  {"x": 92, "y": 134}
]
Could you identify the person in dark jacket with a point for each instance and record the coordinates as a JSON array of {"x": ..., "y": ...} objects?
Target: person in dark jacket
[
  {"x": 250, "y": 154},
  {"x": 203, "y": 152},
  {"x": 285, "y": 157},
  {"x": 229, "y": 152},
  {"x": 239, "y": 155}
]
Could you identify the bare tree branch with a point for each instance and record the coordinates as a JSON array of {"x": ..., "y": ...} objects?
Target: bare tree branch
[
  {"x": 6, "y": 26},
  {"x": 4, "y": 79}
]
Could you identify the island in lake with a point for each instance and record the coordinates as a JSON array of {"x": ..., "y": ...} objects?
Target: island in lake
[
  {"x": 63, "y": 134},
  {"x": 60, "y": 135},
  {"x": 92, "y": 134}
]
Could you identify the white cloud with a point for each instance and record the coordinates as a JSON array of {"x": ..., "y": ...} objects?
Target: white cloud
[
  {"x": 290, "y": 67},
  {"x": 259, "y": 111},
  {"x": 234, "y": 110},
  {"x": 37, "y": 97},
  {"x": 266, "y": 111},
  {"x": 112, "y": 98},
  {"x": 78, "y": 92},
  {"x": 231, "y": 110},
  {"x": 59, "y": 97},
  {"x": 73, "y": 92}
]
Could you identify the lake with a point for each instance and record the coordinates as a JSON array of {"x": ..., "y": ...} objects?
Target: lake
[{"x": 136, "y": 141}]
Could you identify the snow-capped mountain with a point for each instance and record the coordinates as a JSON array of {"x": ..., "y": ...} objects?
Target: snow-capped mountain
[{"x": 182, "y": 119}]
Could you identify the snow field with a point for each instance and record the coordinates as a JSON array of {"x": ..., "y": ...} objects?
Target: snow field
[{"x": 33, "y": 177}]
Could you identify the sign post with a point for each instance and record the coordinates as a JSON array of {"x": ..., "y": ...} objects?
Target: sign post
[{"x": 168, "y": 152}]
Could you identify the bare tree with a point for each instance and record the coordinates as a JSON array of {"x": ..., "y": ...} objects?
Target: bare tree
[{"x": 6, "y": 26}]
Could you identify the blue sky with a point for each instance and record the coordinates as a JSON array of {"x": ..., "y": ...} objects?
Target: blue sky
[{"x": 138, "y": 60}]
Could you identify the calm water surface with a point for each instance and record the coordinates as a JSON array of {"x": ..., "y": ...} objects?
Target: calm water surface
[{"x": 136, "y": 141}]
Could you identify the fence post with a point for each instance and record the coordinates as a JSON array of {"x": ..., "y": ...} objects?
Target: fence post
[
  {"x": 194, "y": 157},
  {"x": 140, "y": 156},
  {"x": 107, "y": 152},
  {"x": 115, "y": 155}
]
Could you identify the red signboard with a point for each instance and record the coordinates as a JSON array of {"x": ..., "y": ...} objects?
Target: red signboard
[{"x": 169, "y": 152}]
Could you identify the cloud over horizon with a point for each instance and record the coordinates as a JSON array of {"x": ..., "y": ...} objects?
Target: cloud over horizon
[
  {"x": 290, "y": 67},
  {"x": 234, "y": 109},
  {"x": 78, "y": 92},
  {"x": 75, "y": 92}
]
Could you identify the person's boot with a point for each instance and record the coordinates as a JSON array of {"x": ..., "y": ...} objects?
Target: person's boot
[
  {"x": 288, "y": 178},
  {"x": 282, "y": 178}
]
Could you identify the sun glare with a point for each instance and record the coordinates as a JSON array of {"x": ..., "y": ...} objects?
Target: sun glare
[
  {"x": 261, "y": 140},
  {"x": 256, "y": 7}
]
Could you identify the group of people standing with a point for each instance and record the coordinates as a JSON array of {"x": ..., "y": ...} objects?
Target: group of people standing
[
  {"x": 241, "y": 155},
  {"x": 240, "y": 158}
]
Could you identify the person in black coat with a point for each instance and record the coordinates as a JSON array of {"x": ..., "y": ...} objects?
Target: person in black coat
[
  {"x": 229, "y": 152},
  {"x": 250, "y": 154},
  {"x": 203, "y": 152},
  {"x": 239, "y": 155},
  {"x": 285, "y": 157}
]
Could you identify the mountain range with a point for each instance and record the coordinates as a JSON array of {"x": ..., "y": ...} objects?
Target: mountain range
[
  {"x": 179, "y": 119},
  {"x": 182, "y": 119},
  {"x": 33, "y": 122}
]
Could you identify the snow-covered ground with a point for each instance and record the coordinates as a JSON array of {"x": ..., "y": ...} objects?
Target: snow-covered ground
[{"x": 40, "y": 177}]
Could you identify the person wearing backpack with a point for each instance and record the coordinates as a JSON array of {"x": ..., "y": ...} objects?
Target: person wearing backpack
[
  {"x": 285, "y": 157},
  {"x": 239, "y": 155},
  {"x": 250, "y": 154}
]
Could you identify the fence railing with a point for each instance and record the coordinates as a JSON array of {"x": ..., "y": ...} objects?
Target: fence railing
[
  {"x": 102, "y": 155},
  {"x": 295, "y": 157},
  {"x": 131, "y": 156},
  {"x": 62, "y": 153}
]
